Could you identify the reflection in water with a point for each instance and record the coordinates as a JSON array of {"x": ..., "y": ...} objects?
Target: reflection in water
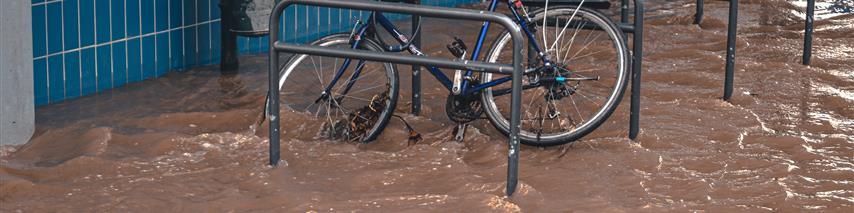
[{"x": 191, "y": 141}]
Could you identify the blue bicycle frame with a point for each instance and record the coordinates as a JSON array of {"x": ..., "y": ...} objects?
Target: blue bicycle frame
[{"x": 466, "y": 90}]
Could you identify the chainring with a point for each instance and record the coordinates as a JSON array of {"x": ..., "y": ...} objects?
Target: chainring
[{"x": 463, "y": 109}]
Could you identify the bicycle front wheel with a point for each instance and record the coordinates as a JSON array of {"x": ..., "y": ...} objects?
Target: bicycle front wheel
[
  {"x": 349, "y": 100},
  {"x": 575, "y": 93}
]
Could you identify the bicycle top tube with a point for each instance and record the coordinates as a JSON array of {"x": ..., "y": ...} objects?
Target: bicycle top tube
[{"x": 378, "y": 17}]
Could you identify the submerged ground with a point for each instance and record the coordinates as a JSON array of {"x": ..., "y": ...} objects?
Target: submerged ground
[{"x": 188, "y": 141}]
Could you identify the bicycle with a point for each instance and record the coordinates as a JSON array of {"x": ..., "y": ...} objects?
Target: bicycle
[{"x": 361, "y": 106}]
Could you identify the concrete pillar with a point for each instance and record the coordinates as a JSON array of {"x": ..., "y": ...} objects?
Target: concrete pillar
[{"x": 16, "y": 72}]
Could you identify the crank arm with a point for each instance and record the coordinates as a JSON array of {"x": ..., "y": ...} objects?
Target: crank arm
[
  {"x": 458, "y": 81},
  {"x": 460, "y": 132}
]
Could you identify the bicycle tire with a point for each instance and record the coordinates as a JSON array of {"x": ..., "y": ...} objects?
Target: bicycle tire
[
  {"x": 500, "y": 121},
  {"x": 391, "y": 75}
]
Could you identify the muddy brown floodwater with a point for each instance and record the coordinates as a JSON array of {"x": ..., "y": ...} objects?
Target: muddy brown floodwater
[{"x": 187, "y": 142}]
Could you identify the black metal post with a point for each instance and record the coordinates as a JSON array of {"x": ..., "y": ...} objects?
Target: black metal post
[
  {"x": 273, "y": 86},
  {"x": 637, "y": 69},
  {"x": 730, "y": 51},
  {"x": 515, "y": 116},
  {"x": 228, "y": 40},
  {"x": 808, "y": 32},
  {"x": 441, "y": 12},
  {"x": 698, "y": 17},
  {"x": 624, "y": 11},
  {"x": 416, "y": 70}
]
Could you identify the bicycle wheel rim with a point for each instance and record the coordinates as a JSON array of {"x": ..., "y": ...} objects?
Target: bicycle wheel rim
[
  {"x": 500, "y": 116},
  {"x": 375, "y": 78}
]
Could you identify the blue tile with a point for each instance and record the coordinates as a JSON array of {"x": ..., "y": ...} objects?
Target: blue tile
[
  {"x": 216, "y": 41},
  {"x": 289, "y": 24},
  {"x": 162, "y": 56},
  {"x": 243, "y": 45},
  {"x": 189, "y": 47},
  {"x": 264, "y": 44},
  {"x": 132, "y": 17},
  {"x": 204, "y": 39},
  {"x": 87, "y": 71},
  {"x": 323, "y": 21},
  {"x": 56, "y": 85},
  {"x": 69, "y": 16},
  {"x": 134, "y": 61},
  {"x": 148, "y": 57},
  {"x": 189, "y": 12},
  {"x": 87, "y": 22},
  {"x": 118, "y": 19},
  {"x": 302, "y": 23},
  {"x": 203, "y": 10},
  {"x": 54, "y": 27},
  {"x": 175, "y": 14},
  {"x": 120, "y": 72},
  {"x": 161, "y": 9},
  {"x": 215, "y": 10},
  {"x": 37, "y": 1},
  {"x": 104, "y": 68},
  {"x": 176, "y": 56},
  {"x": 335, "y": 20},
  {"x": 146, "y": 16},
  {"x": 40, "y": 81},
  {"x": 102, "y": 21},
  {"x": 72, "y": 74},
  {"x": 39, "y": 31}
]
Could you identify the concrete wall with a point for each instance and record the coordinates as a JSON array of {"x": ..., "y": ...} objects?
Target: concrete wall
[{"x": 16, "y": 73}]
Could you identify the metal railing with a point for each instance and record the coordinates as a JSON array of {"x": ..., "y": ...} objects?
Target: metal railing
[{"x": 514, "y": 69}]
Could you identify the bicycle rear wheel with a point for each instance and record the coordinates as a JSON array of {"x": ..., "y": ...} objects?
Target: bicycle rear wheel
[
  {"x": 571, "y": 97},
  {"x": 357, "y": 106}
]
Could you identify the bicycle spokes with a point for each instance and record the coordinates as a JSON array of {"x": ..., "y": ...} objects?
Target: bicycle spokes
[{"x": 347, "y": 99}]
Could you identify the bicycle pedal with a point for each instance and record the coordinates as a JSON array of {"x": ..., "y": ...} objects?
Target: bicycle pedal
[{"x": 458, "y": 48}]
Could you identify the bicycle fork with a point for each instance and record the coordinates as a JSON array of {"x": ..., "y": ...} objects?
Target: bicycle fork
[{"x": 355, "y": 37}]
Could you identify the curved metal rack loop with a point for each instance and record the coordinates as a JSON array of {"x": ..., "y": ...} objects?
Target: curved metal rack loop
[{"x": 514, "y": 69}]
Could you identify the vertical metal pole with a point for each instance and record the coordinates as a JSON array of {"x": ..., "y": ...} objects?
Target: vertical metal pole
[
  {"x": 808, "y": 32},
  {"x": 515, "y": 117},
  {"x": 730, "y": 51},
  {"x": 637, "y": 69},
  {"x": 624, "y": 11},
  {"x": 273, "y": 90},
  {"x": 698, "y": 17},
  {"x": 416, "y": 70}
]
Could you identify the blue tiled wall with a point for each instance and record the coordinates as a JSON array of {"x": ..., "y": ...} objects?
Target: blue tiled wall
[{"x": 81, "y": 47}]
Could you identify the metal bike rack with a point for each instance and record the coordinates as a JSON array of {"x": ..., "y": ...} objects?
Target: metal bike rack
[
  {"x": 731, "y": 32},
  {"x": 730, "y": 43},
  {"x": 808, "y": 30},
  {"x": 636, "y": 29},
  {"x": 440, "y": 12}
]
